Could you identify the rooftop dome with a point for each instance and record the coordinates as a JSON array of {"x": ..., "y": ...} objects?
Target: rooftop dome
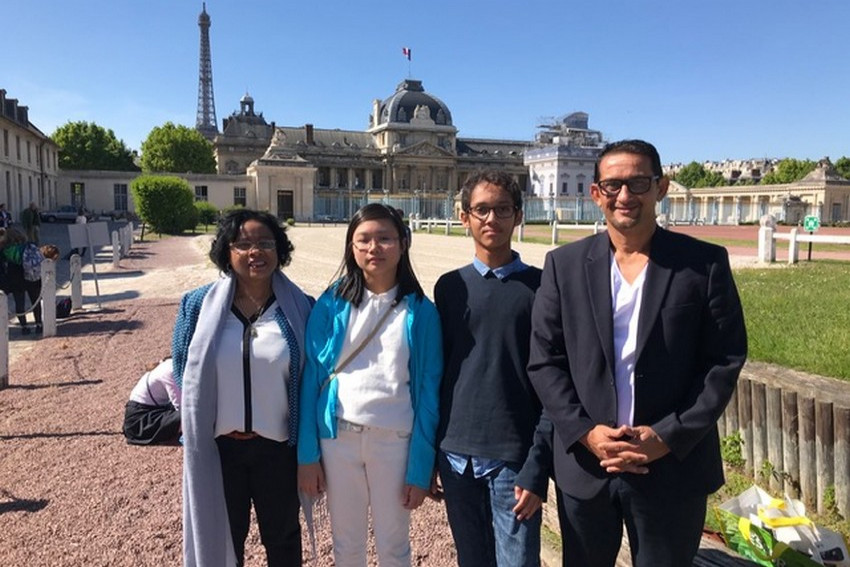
[
  {"x": 409, "y": 97},
  {"x": 246, "y": 98}
]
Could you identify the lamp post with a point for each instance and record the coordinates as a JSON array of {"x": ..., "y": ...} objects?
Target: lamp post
[{"x": 551, "y": 206}]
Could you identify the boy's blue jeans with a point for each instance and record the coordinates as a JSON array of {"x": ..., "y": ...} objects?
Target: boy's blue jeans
[{"x": 485, "y": 530}]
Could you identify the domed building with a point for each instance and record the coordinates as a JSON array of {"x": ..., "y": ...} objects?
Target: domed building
[
  {"x": 410, "y": 156},
  {"x": 244, "y": 136}
]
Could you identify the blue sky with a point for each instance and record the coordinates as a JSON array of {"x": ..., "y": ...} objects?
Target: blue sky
[{"x": 712, "y": 79}]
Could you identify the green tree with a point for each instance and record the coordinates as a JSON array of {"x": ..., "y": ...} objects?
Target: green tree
[
  {"x": 177, "y": 149},
  {"x": 165, "y": 203},
  {"x": 85, "y": 145},
  {"x": 788, "y": 170},
  {"x": 695, "y": 175},
  {"x": 207, "y": 212},
  {"x": 842, "y": 166}
]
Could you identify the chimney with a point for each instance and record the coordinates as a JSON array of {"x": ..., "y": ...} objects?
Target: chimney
[
  {"x": 308, "y": 128},
  {"x": 376, "y": 112}
]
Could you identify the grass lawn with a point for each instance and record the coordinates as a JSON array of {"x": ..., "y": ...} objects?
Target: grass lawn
[{"x": 798, "y": 316}]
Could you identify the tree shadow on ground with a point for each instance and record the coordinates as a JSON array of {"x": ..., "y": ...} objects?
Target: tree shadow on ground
[
  {"x": 12, "y": 503},
  {"x": 114, "y": 275},
  {"x": 61, "y": 435},
  {"x": 78, "y": 327},
  {"x": 54, "y": 385}
]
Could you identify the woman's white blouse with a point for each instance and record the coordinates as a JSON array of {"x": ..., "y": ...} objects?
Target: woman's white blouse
[{"x": 252, "y": 389}]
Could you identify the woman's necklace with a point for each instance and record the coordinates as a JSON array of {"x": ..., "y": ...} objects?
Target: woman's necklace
[{"x": 258, "y": 309}]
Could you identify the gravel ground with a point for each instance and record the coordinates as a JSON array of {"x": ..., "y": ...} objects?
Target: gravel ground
[{"x": 72, "y": 492}]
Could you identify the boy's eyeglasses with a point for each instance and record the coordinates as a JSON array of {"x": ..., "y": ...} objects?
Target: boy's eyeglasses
[
  {"x": 636, "y": 185},
  {"x": 245, "y": 246},
  {"x": 481, "y": 212}
]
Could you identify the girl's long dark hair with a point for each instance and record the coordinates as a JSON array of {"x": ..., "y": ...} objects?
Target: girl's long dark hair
[{"x": 352, "y": 283}]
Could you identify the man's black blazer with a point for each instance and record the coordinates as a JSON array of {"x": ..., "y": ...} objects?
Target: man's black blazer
[{"x": 691, "y": 345}]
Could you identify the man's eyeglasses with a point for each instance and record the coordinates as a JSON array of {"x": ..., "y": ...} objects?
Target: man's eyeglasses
[
  {"x": 245, "y": 246},
  {"x": 481, "y": 212},
  {"x": 382, "y": 242},
  {"x": 636, "y": 185}
]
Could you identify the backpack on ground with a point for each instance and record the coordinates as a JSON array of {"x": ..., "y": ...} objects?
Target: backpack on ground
[
  {"x": 63, "y": 307},
  {"x": 31, "y": 259}
]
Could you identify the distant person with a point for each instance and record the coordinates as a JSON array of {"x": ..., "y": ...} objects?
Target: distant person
[
  {"x": 5, "y": 216},
  {"x": 238, "y": 351},
  {"x": 369, "y": 400},
  {"x": 31, "y": 221},
  {"x": 493, "y": 473},
  {"x": 152, "y": 415},
  {"x": 21, "y": 273},
  {"x": 80, "y": 219},
  {"x": 637, "y": 341}
]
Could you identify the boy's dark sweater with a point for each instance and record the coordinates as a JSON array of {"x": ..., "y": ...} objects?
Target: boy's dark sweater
[{"x": 487, "y": 405}]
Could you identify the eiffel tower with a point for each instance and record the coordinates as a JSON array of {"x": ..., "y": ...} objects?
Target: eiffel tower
[{"x": 205, "y": 123}]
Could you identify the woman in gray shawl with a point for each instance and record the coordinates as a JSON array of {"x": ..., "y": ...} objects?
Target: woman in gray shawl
[{"x": 238, "y": 355}]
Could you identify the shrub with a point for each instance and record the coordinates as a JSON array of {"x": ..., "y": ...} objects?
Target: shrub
[
  {"x": 165, "y": 203},
  {"x": 207, "y": 213}
]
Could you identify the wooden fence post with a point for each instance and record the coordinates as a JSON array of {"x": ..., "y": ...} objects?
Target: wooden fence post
[
  {"x": 790, "y": 445},
  {"x": 773, "y": 427},
  {"x": 759, "y": 429},
  {"x": 745, "y": 422},
  {"x": 824, "y": 452},
  {"x": 808, "y": 458},
  {"x": 842, "y": 459}
]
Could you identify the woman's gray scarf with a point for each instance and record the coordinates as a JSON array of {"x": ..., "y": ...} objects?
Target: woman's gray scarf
[{"x": 206, "y": 530}]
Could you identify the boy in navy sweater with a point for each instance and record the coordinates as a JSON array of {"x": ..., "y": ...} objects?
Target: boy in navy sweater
[{"x": 493, "y": 468}]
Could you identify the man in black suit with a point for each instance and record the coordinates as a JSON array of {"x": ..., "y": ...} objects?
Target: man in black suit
[{"x": 637, "y": 341}]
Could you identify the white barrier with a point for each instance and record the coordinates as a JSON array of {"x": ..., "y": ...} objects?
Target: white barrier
[
  {"x": 768, "y": 236},
  {"x": 76, "y": 276},
  {"x": 447, "y": 223},
  {"x": 4, "y": 342},
  {"x": 596, "y": 228},
  {"x": 48, "y": 297}
]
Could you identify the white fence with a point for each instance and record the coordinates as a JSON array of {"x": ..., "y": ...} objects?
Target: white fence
[
  {"x": 122, "y": 240},
  {"x": 768, "y": 236}
]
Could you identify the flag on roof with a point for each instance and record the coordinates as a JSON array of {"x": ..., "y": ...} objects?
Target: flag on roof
[{"x": 406, "y": 52}]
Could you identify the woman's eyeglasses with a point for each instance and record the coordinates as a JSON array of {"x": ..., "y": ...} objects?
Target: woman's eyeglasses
[
  {"x": 245, "y": 246},
  {"x": 382, "y": 242}
]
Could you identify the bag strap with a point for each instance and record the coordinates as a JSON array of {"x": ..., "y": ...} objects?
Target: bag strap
[{"x": 339, "y": 367}]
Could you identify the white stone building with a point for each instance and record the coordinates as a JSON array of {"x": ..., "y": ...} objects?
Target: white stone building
[{"x": 28, "y": 160}]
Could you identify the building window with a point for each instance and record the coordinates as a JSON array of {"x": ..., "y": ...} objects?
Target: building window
[
  {"x": 564, "y": 187},
  {"x": 377, "y": 179},
  {"x": 120, "y": 192},
  {"x": 18, "y": 146},
  {"x": 324, "y": 177},
  {"x": 6, "y": 143},
  {"x": 78, "y": 194},
  {"x": 201, "y": 193},
  {"x": 239, "y": 197},
  {"x": 29, "y": 152},
  {"x": 580, "y": 188}
]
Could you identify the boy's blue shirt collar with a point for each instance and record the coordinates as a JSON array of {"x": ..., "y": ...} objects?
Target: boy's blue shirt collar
[{"x": 515, "y": 265}]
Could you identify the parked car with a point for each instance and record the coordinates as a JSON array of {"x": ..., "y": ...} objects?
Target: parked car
[{"x": 65, "y": 213}]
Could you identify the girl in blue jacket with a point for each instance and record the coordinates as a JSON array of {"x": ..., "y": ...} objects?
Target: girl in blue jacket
[{"x": 368, "y": 411}]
